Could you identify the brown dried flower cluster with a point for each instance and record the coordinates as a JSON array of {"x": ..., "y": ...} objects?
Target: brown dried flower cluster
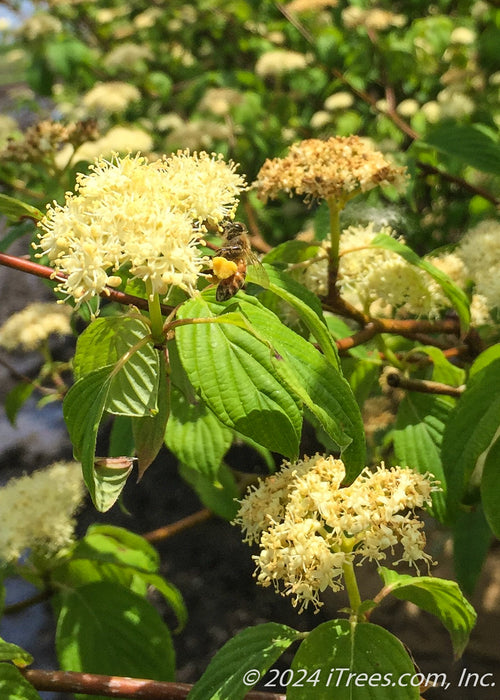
[
  {"x": 338, "y": 169},
  {"x": 46, "y": 138}
]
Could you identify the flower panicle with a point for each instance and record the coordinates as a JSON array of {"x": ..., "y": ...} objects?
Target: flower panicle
[
  {"x": 148, "y": 217},
  {"x": 37, "y": 512},
  {"x": 309, "y": 527},
  {"x": 337, "y": 169}
]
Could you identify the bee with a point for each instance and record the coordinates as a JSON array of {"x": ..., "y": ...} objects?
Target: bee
[{"x": 230, "y": 262}]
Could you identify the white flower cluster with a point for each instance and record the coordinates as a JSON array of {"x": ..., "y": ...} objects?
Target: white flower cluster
[
  {"x": 37, "y": 511},
  {"x": 114, "y": 96},
  {"x": 29, "y": 329},
  {"x": 309, "y": 528},
  {"x": 145, "y": 217},
  {"x": 371, "y": 278}
]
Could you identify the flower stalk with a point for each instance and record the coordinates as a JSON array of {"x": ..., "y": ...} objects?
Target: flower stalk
[
  {"x": 155, "y": 315},
  {"x": 351, "y": 586}
]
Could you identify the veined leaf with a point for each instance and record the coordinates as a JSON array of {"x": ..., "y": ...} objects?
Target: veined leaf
[
  {"x": 218, "y": 493},
  {"x": 324, "y": 391},
  {"x": 104, "y": 628},
  {"x": 11, "y": 652},
  {"x": 116, "y": 545},
  {"x": 443, "y": 370},
  {"x": 255, "y": 648},
  {"x": 467, "y": 143},
  {"x": 149, "y": 431},
  {"x": 83, "y": 407},
  {"x": 490, "y": 485},
  {"x": 292, "y": 251},
  {"x": 195, "y": 435},
  {"x": 471, "y": 541},
  {"x": 125, "y": 342},
  {"x": 470, "y": 431},
  {"x": 440, "y": 597},
  {"x": 457, "y": 297},
  {"x": 485, "y": 358},
  {"x": 418, "y": 435},
  {"x": 308, "y": 307},
  {"x": 239, "y": 378},
  {"x": 339, "y": 648}
]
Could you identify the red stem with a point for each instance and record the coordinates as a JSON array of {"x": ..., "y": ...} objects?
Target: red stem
[
  {"x": 117, "y": 686},
  {"x": 183, "y": 524},
  {"x": 33, "y": 268}
]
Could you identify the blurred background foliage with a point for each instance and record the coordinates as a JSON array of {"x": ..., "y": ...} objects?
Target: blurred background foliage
[{"x": 248, "y": 79}]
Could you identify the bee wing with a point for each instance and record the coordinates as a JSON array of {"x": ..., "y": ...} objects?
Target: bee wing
[{"x": 256, "y": 272}]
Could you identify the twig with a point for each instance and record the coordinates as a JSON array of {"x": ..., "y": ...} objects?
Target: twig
[
  {"x": 32, "y": 268},
  {"x": 14, "y": 373},
  {"x": 255, "y": 235},
  {"x": 424, "y": 386},
  {"x": 367, "y": 333},
  {"x": 118, "y": 686},
  {"x": 412, "y": 328},
  {"x": 162, "y": 533},
  {"x": 432, "y": 170},
  {"x": 28, "y": 602}
]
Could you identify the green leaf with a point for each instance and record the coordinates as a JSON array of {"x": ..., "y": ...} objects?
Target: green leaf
[
  {"x": 116, "y": 545},
  {"x": 104, "y": 628},
  {"x": 442, "y": 369},
  {"x": 484, "y": 359},
  {"x": 171, "y": 594},
  {"x": 470, "y": 431},
  {"x": 239, "y": 379},
  {"x": 11, "y": 652},
  {"x": 218, "y": 493},
  {"x": 457, "y": 297},
  {"x": 14, "y": 686},
  {"x": 118, "y": 555},
  {"x": 126, "y": 343},
  {"x": 16, "y": 398},
  {"x": 134, "y": 386},
  {"x": 330, "y": 402},
  {"x": 293, "y": 251},
  {"x": 441, "y": 598},
  {"x": 195, "y": 435},
  {"x": 111, "y": 474},
  {"x": 83, "y": 407},
  {"x": 80, "y": 572},
  {"x": 308, "y": 307},
  {"x": 255, "y": 648},
  {"x": 149, "y": 431},
  {"x": 121, "y": 439},
  {"x": 467, "y": 143},
  {"x": 15, "y": 210},
  {"x": 14, "y": 233},
  {"x": 337, "y": 648},
  {"x": 418, "y": 435},
  {"x": 471, "y": 541},
  {"x": 490, "y": 485},
  {"x": 361, "y": 375}
]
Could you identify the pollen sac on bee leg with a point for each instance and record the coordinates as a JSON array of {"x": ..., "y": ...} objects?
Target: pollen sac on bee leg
[{"x": 223, "y": 268}]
